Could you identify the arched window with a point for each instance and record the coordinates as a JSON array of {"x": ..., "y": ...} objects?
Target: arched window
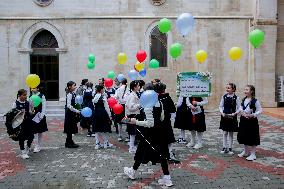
[
  {"x": 158, "y": 46},
  {"x": 44, "y": 39}
]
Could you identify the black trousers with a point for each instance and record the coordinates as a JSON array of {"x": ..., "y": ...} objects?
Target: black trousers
[{"x": 29, "y": 142}]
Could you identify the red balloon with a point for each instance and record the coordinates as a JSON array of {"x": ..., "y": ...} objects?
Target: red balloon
[
  {"x": 108, "y": 82},
  {"x": 141, "y": 55},
  {"x": 111, "y": 102},
  {"x": 117, "y": 109}
]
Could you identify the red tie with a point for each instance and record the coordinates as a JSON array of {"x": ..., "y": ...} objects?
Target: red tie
[{"x": 193, "y": 116}]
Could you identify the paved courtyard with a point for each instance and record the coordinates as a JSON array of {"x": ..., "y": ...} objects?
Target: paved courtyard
[{"x": 58, "y": 167}]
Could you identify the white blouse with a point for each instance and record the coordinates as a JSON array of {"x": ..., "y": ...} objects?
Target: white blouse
[
  {"x": 202, "y": 103},
  {"x": 258, "y": 110},
  {"x": 69, "y": 106},
  {"x": 132, "y": 105},
  {"x": 238, "y": 103},
  {"x": 119, "y": 93}
]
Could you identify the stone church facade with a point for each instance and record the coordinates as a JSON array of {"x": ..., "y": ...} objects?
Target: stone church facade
[{"x": 54, "y": 37}]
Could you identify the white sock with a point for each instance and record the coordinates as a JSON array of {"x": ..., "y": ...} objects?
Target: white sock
[
  {"x": 36, "y": 139},
  {"x": 182, "y": 134},
  {"x": 199, "y": 137},
  {"x": 105, "y": 139},
  {"x": 119, "y": 130},
  {"x": 97, "y": 138},
  {"x": 231, "y": 136},
  {"x": 225, "y": 136},
  {"x": 170, "y": 146},
  {"x": 193, "y": 136},
  {"x": 246, "y": 149},
  {"x": 132, "y": 140},
  {"x": 253, "y": 150}
]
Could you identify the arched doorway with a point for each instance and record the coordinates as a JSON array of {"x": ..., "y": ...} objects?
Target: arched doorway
[{"x": 44, "y": 62}]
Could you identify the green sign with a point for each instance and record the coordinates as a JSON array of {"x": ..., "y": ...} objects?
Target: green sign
[{"x": 194, "y": 84}]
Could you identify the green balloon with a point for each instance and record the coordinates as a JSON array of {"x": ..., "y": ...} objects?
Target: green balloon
[
  {"x": 164, "y": 25},
  {"x": 77, "y": 106},
  {"x": 36, "y": 100},
  {"x": 175, "y": 50},
  {"x": 111, "y": 75},
  {"x": 91, "y": 65},
  {"x": 256, "y": 37},
  {"x": 154, "y": 64},
  {"x": 92, "y": 58}
]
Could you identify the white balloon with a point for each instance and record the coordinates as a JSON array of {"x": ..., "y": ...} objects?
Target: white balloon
[{"x": 185, "y": 23}]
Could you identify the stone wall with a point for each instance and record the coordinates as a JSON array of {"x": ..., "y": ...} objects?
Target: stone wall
[{"x": 125, "y": 32}]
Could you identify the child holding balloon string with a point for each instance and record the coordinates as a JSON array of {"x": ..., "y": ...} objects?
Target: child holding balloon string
[
  {"x": 26, "y": 130},
  {"x": 101, "y": 119},
  {"x": 71, "y": 115},
  {"x": 88, "y": 96},
  {"x": 121, "y": 95},
  {"x": 132, "y": 110},
  {"x": 40, "y": 125}
]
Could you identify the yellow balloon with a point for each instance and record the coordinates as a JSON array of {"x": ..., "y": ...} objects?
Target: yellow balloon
[
  {"x": 121, "y": 58},
  {"x": 32, "y": 80},
  {"x": 201, "y": 56},
  {"x": 235, "y": 53},
  {"x": 139, "y": 66}
]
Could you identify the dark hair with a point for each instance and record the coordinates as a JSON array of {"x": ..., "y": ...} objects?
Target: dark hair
[
  {"x": 84, "y": 81},
  {"x": 99, "y": 88},
  {"x": 156, "y": 80},
  {"x": 21, "y": 92},
  {"x": 69, "y": 84},
  {"x": 39, "y": 88},
  {"x": 89, "y": 85},
  {"x": 123, "y": 81},
  {"x": 133, "y": 84},
  {"x": 233, "y": 86},
  {"x": 141, "y": 83},
  {"x": 160, "y": 88},
  {"x": 148, "y": 86},
  {"x": 252, "y": 89}
]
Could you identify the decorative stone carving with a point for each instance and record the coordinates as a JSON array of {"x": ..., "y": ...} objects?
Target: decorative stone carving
[
  {"x": 43, "y": 3},
  {"x": 158, "y": 2}
]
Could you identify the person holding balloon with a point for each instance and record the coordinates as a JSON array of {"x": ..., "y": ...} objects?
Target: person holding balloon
[
  {"x": 88, "y": 96},
  {"x": 71, "y": 115},
  {"x": 40, "y": 126},
  {"x": 26, "y": 132},
  {"x": 132, "y": 110},
  {"x": 101, "y": 119},
  {"x": 153, "y": 145},
  {"x": 121, "y": 95}
]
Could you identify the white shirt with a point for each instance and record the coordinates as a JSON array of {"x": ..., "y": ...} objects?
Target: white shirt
[
  {"x": 119, "y": 93},
  {"x": 238, "y": 103},
  {"x": 69, "y": 106},
  {"x": 132, "y": 105},
  {"x": 202, "y": 103},
  {"x": 258, "y": 110}
]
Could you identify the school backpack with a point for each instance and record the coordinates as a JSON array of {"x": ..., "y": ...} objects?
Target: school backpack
[{"x": 14, "y": 118}]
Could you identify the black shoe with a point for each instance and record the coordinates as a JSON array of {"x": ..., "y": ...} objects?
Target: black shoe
[{"x": 70, "y": 145}]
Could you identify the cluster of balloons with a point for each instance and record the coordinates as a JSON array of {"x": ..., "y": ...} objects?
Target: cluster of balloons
[
  {"x": 113, "y": 104},
  {"x": 32, "y": 80},
  {"x": 185, "y": 24},
  {"x": 91, "y": 64}
]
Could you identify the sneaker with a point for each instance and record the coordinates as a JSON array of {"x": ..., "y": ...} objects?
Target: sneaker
[
  {"x": 108, "y": 145},
  {"x": 243, "y": 154},
  {"x": 230, "y": 152},
  {"x": 93, "y": 135},
  {"x": 89, "y": 134},
  {"x": 37, "y": 149},
  {"x": 251, "y": 157},
  {"x": 132, "y": 150},
  {"x": 126, "y": 139},
  {"x": 190, "y": 144},
  {"x": 119, "y": 139},
  {"x": 98, "y": 146},
  {"x": 130, "y": 172},
  {"x": 166, "y": 181},
  {"x": 224, "y": 150},
  {"x": 197, "y": 146},
  {"x": 24, "y": 155},
  {"x": 181, "y": 141}
]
